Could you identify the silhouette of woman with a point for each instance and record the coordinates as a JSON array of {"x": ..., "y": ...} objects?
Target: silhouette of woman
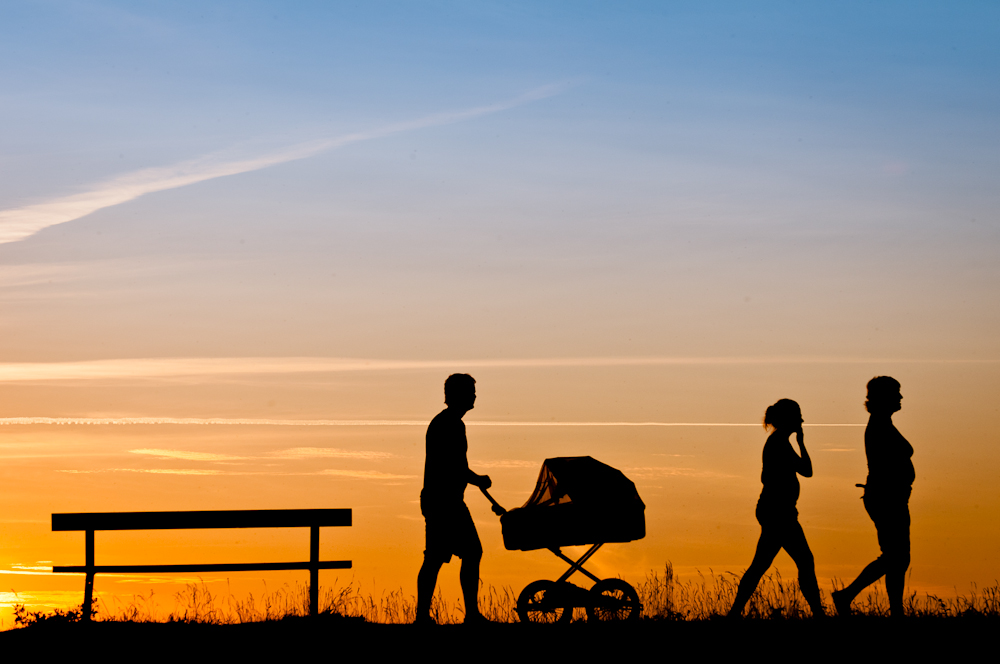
[
  {"x": 887, "y": 497},
  {"x": 776, "y": 513}
]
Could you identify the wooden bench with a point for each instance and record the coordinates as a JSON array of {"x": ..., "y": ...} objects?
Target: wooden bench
[{"x": 94, "y": 521}]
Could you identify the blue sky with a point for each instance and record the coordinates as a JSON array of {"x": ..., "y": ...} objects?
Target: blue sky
[{"x": 833, "y": 166}]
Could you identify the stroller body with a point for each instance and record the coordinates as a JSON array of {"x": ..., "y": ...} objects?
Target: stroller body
[{"x": 577, "y": 501}]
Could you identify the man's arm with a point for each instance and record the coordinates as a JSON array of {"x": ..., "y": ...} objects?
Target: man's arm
[{"x": 481, "y": 481}]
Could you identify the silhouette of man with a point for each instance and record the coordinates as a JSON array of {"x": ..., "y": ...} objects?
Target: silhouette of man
[{"x": 450, "y": 529}]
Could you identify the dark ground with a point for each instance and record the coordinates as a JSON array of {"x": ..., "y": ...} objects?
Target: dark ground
[{"x": 833, "y": 639}]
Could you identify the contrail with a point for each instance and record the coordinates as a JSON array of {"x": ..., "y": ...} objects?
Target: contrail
[{"x": 22, "y": 222}]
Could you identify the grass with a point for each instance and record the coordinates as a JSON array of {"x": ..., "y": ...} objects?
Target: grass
[
  {"x": 663, "y": 597},
  {"x": 681, "y": 620}
]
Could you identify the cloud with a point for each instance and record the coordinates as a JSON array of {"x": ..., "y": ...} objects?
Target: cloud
[
  {"x": 355, "y": 474},
  {"x": 198, "y": 421},
  {"x": 328, "y": 453},
  {"x": 187, "y": 456},
  {"x": 37, "y": 568},
  {"x": 205, "y": 367},
  {"x": 221, "y": 421},
  {"x": 154, "y": 471},
  {"x": 19, "y": 276},
  {"x": 365, "y": 474},
  {"x": 22, "y": 222},
  {"x": 650, "y": 472},
  {"x": 505, "y": 463},
  {"x": 23, "y": 571}
]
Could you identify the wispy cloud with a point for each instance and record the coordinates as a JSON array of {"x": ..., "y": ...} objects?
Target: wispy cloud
[
  {"x": 19, "y": 223},
  {"x": 332, "y": 472},
  {"x": 24, "y": 571},
  {"x": 19, "y": 276},
  {"x": 154, "y": 471},
  {"x": 329, "y": 453},
  {"x": 206, "y": 367},
  {"x": 505, "y": 463},
  {"x": 294, "y": 453},
  {"x": 365, "y": 474},
  {"x": 37, "y": 568},
  {"x": 199, "y": 421},
  {"x": 187, "y": 456},
  {"x": 319, "y": 451},
  {"x": 649, "y": 472}
]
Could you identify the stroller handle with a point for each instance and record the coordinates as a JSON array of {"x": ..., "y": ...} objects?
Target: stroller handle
[{"x": 497, "y": 509}]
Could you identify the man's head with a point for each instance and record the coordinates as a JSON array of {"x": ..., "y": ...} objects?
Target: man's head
[{"x": 460, "y": 391}]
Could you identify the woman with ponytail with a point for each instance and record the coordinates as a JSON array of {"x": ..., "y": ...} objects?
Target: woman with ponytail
[{"x": 776, "y": 513}]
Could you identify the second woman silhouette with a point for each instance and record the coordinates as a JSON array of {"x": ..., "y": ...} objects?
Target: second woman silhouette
[
  {"x": 776, "y": 513},
  {"x": 887, "y": 497}
]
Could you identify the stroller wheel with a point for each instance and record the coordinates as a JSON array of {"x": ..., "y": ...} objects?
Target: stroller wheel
[
  {"x": 540, "y": 602},
  {"x": 613, "y": 599}
]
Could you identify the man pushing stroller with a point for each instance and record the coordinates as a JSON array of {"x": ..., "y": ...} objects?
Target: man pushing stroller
[{"x": 449, "y": 525}]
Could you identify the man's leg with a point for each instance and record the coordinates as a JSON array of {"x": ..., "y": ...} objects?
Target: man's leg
[
  {"x": 426, "y": 581},
  {"x": 472, "y": 554},
  {"x": 469, "y": 578}
]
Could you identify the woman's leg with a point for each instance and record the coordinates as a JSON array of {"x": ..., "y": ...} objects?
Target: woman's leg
[
  {"x": 798, "y": 548},
  {"x": 892, "y": 523},
  {"x": 767, "y": 548},
  {"x": 894, "y": 539},
  {"x": 874, "y": 571}
]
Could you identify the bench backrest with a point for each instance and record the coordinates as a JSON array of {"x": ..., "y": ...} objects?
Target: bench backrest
[{"x": 201, "y": 519}]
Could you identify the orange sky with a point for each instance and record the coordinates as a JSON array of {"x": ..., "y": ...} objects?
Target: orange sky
[{"x": 700, "y": 483}]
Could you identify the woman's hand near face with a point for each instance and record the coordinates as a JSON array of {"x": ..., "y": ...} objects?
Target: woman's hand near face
[{"x": 805, "y": 463}]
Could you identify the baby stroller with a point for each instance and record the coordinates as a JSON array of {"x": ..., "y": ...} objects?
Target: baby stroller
[{"x": 578, "y": 500}]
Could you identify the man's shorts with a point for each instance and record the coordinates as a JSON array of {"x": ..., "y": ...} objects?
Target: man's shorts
[{"x": 450, "y": 531}]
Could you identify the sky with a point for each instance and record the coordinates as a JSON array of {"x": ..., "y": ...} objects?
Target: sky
[{"x": 243, "y": 244}]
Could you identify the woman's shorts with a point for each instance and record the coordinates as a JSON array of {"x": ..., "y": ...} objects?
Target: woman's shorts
[{"x": 891, "y": 516}]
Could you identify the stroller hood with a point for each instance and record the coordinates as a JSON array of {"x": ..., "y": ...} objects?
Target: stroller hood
[{"x": 577, "y": 500}]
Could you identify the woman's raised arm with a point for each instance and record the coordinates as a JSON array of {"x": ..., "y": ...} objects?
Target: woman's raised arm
[{"x": 805, "y": 466}]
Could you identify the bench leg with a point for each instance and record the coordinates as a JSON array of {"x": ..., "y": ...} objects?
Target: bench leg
[
  {"x": 88, "y": 588},
  {"x": 88, "y": 597},
  {"x": 314, "y": 571}
]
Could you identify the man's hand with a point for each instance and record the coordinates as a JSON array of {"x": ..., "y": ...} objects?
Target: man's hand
[{"x": 483, "y": 481}]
